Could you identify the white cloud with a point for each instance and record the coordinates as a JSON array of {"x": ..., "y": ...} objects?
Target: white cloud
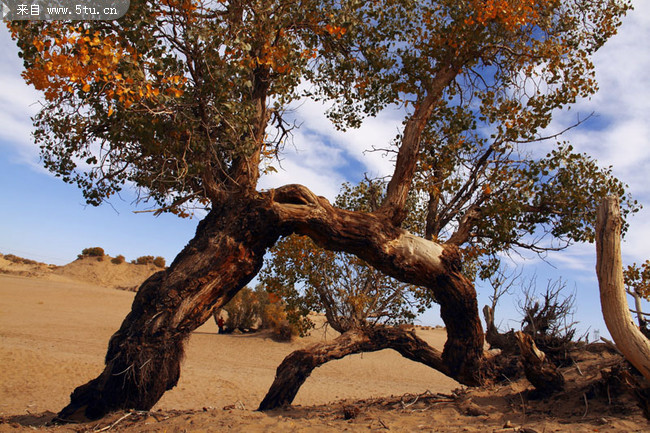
[
  {"x": 18, "y": 102},
  {"x": 322, "y": 157},
  {"x": 619, "y": 134},
  {"x": 312, "y": 162}
]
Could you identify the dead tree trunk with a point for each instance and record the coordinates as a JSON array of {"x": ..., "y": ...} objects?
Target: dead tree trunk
[
  {"x": 609, "y": 267},
  {"x": 541, "y": 372},
  {"x": 298, "y": 366},
  {"x": 144, "y": 355},
  {"x": 506, "y": 342}
]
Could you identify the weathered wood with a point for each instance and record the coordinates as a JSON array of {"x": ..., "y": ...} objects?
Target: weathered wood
[
  {"x": 400, "y": 254},
  {"x": 298, "y": 366},
  {"x": 507, "y": 342},
  {"x": 539, "y": 370},
  {"x": 144, "y": 355},
  {"x": 609, "y": 268}
]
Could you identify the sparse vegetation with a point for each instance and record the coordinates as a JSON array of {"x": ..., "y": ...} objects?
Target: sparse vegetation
[
  {"x": 118, "y": 260},
  {"x": 143, "y": 260},
  {"x": 159, "y": 262},
  {"x": 547, "y": 318},
  {"x": 15, "y": 259},
  {"x": 252, "y": 310},
  {"x": 91, "y": 252}
]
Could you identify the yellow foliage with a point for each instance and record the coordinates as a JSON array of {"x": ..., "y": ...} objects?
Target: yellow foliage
[{"x": 72, "y": 58}]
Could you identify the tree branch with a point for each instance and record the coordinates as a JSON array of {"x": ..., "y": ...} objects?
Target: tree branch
[{"x": 400, "y": 183}]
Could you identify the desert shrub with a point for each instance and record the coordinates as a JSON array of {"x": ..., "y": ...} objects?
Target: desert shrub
[
  {"x": 118, "y": 260},
  {"x": 143, "y": 260},
  {"x": 274, "y": 317},
  {"x": 15, "y": 259},
  {"x": 243, "y": 310},
  {"x": 159, "y": 261},
  {"x": 258, "y": 309},
  {"x": 92, "y": 252},
  {"x": 548, "y": 319}
]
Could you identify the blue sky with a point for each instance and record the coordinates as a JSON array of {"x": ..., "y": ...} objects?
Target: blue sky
[{"x": 44, "y": 219}]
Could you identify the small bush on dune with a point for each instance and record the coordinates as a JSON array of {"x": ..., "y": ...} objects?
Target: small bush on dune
[
  {"x": 118, "y": 260},
  {"x": 159, "y": 261},
  {"x": 143, "y": 260},
  {"x": 92, "y": 252},
  {"x": 20, "y": 260}
]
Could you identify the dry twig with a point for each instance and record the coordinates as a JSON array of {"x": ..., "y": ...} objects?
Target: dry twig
[{"x": 108, "y": 427}]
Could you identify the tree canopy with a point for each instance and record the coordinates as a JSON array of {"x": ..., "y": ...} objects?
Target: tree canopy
[{"x": 185, "y": 99}]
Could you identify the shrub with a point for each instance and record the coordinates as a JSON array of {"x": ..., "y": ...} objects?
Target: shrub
[
  {"x": 243, "y": 310},
  {"x": 258, "y": 309},
  {"x": 159, "y": 261},
  {"x": 118, "y": 260},
  {"x": 15, "y": 259},
  {"x": 92, "y": 252},
  {"x": 144, "y": 260}
]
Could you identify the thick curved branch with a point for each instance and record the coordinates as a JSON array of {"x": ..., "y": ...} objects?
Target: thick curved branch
[
  {"x": 298, "y": 366},
  {"x": 370, "y": 236},
  {"x": 609, "y": 268},
  {"x": 400, "y": 254}
]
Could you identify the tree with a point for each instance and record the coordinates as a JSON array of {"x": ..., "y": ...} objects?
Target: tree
[
  {"x": 184, "y": 100},
  {"x": 359, "y": 302},
  {"x": 349, "y": 291},
  {"x": 637, "y": 285},
  {"x": 609, "y": 269}
]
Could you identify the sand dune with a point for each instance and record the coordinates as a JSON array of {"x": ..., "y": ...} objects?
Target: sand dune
[
  {"x": 53, "y": 338},
  {"x": 54, "y": 331}
]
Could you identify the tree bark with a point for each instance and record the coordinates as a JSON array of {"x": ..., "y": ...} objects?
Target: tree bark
[
  {"x": 406, "y": 257},
  {"x": 542, "y": 373},
  {"x": 298, "y": 366},
  {"x": 609, "y": 268},
  {"x": 506, "y": 342},
  {"x": 144, "y": 355}
]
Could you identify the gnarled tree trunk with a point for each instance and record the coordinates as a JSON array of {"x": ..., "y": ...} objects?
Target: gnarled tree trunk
[
  {"x": 609, "y": 267},
  {"x": 297, "y": 367},
  {"x": 143, "y": 358},
  {"x": 403, "y": 256},
  {"x": 144, "y": 355}
]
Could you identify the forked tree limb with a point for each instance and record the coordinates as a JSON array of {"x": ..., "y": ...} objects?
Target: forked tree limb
[
  {"x": 609, "y": 268},
  {"x": 399, "y": 186}
]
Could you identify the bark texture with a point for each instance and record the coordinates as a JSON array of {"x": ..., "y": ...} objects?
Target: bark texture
[
  {"x": 506, "y": 342},
  {"x": 144, "y": 355},
  {"x": 401, "y": 255},
  {"x": 609, "y": 267},
  {"x": 298, "y": 366},
  {"x": 545, "y": 377}
]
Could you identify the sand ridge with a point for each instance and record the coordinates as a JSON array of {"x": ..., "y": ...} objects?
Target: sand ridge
[{"x": 98, "y": 271}]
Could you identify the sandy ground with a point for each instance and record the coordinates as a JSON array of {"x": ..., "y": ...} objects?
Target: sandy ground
[{"x": 53, "y": 336}]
